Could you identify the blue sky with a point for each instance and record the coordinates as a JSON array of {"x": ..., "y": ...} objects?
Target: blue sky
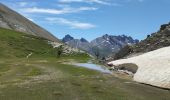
[{"x": 94, "y": 18}]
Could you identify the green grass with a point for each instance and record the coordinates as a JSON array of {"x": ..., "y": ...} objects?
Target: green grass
[
  {"x": 4, "y": 68},
  {"x": 60, "y": 81},
  {"x": 34, "y": 72},
  {"x": 16, "y": 44}
]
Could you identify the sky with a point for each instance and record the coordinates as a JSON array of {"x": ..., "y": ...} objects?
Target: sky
[{"x": 93, "y": 18}]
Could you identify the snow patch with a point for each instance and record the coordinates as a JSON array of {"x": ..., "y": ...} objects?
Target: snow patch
[{"x": 153, "y": 67}]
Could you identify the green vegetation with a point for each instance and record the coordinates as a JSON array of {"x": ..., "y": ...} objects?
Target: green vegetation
[
  {"x": 44, "y": 76},
  {"x": 56, "y": 80},
  {"x": 14, "y": 44},
  {"x": 34, "y": 71}
]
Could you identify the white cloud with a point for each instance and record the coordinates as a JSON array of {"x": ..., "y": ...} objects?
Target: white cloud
[
  {"x": 22, "y": 4},
  {"x": 71, "y": 24},
  {"x": 86, "y": 1},
  {"x": 57, "y": 11}
]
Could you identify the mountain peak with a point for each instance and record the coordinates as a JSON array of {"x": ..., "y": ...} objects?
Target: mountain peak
[
  {"x": 83, "y": 40},
  {"x": 164, "y": 26},
  {"x": 67, "y": 38},
  {"x": 105, "y": 35}
]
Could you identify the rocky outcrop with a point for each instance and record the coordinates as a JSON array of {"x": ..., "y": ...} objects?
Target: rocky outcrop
[
  {"x": 152, "y": 68},
  {"x": 12, "y": 20},
  {"x": 67, "y": 50}
]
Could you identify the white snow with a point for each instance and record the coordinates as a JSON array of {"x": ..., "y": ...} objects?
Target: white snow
[
  {"x": 153, "y": 67},
  {"x": 107, "y": 39}
]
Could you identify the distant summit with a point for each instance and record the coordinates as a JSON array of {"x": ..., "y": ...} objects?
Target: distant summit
[
  {"x": 83, "y": 40},
  {"x": 82, "y": 43},
  {"x": 67, "y": 38}
]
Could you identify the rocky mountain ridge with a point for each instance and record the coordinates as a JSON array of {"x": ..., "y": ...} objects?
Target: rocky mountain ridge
[{"x": 101, "y": 46}]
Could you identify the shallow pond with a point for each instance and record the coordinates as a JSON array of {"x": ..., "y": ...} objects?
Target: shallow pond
[{"x": 92, "y": 66}]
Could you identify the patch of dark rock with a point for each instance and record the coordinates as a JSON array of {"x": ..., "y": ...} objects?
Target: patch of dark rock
[{"x": 128, "y": 67}]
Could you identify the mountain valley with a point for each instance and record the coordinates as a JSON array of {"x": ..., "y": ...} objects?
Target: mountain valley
[{"x": 36, "y": 65}]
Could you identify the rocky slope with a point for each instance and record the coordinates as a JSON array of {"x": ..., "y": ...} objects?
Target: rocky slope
[
  {"x": 151, "y": 68},
  {"x": 152, "y": 42},
  {"x": 109, "y": 44},
  {"x": 12, "y": 20},
  {"x": 102, "y": 46}
]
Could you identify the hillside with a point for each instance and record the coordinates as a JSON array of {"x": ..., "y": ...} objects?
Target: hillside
[
  {"x": 12, "y": 20},
  {"x": 152, "y": 42},
  {"x": 19, "y": 45},
  {"x": 16, "y": 44}
]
